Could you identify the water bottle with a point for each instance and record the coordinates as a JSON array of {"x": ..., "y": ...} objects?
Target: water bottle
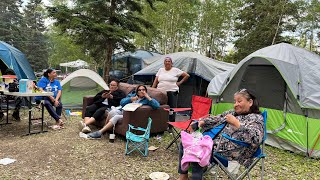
[{"x": 48, "y": 88}]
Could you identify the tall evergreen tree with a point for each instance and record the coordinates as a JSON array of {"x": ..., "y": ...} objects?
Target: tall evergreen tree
[
  {"x": 36, "y": 43},
  {"x": 102, "y": 26},
  {"x": 10, "y": 22},
  {"x": 261, "y": 23}
]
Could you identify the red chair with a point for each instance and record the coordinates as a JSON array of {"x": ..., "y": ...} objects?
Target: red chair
[{"x": 200, "y": 109}]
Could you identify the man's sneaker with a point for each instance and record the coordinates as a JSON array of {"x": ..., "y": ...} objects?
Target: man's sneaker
[
  {"x": 94, "y": 135},
  {"x": 86, "y": 129}
]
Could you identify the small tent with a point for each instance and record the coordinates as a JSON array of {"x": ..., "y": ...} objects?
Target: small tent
[
  {"x": 286, "y": 81},
  {"x": 11, "y": 57},
  {"x": 78, "y": 64},
  {"x": 201, "y": 69},
  {"x": 81, "y": 83},
  {"x": 125, "y": 64}
]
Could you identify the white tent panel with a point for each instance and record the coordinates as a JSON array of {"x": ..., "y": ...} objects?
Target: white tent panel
[{"x": 85, "y": 73}]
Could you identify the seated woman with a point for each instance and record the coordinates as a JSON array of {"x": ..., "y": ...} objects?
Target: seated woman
[
  {"x": 116, "y": 115},
  {"x": 49, "y": 83},
  {"x": 101, "y": 102},
  {"x": 245, "y": 123}
]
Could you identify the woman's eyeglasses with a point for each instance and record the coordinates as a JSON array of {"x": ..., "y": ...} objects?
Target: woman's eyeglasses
[{"x": 141, "y": 89}]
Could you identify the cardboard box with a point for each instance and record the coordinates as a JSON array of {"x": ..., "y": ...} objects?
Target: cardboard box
[{"x": 25, "y": 86}]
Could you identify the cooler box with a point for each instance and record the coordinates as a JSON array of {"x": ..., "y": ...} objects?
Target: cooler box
[
  {"x": 7, "y": 79},
  {"x": 25, "y": 86}
]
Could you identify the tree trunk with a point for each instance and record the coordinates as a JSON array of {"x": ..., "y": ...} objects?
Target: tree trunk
[{"x": 108, "y": 62}]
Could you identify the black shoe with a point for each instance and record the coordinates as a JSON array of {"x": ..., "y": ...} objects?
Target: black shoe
[
  {"x": 16, "y": 116},
  {"x": 1, "y": 115},
  {"x": 170, "y": 129}
]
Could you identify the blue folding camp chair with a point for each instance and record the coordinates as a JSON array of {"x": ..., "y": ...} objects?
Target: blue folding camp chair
[
  {"x": 136, "y": 141},
  {"x": 222, "y": 162}
]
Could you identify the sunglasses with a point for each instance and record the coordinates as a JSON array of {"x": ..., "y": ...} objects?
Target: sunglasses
[
  {"x": 246, "y": 91},
  {"x": 141, "y": 89}
]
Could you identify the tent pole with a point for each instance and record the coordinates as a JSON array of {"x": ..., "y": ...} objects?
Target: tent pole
[{"x": 307, "y": 126}]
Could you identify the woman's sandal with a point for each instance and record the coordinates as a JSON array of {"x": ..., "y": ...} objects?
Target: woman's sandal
[
  {"x": 56, "y": 127},
  {"x": 61, "y": 123}
]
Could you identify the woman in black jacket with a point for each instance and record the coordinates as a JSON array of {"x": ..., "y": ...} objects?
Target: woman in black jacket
[{"x": 101, "y": 102}]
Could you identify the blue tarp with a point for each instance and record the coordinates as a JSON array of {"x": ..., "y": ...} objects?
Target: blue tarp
[{"x": 16, "y": 60}]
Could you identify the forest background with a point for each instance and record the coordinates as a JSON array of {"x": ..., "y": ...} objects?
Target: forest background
[{"x": 50, "y": 32}]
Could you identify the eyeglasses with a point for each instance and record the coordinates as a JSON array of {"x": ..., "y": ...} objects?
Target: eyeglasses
[{"x": 141, "y": 89}]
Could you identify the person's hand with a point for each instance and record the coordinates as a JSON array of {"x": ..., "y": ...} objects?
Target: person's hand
[
  {"x": 200, "y": 123},
  {"x": 104, "y": 95},
  {"x": 134, "y": 98},
  {"x": 56, "y": 103},
  {"x": 146, "y": 95},
  {"x": 109, "y": 95},
  {"x": 178, "y": 83},
  {"x": 232, "y": 120}
]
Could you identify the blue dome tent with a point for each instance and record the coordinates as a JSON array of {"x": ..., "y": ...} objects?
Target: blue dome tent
[{"x": 11, "y": 57}]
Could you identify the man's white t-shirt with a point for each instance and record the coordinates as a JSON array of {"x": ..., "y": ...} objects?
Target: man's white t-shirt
[{"x": 168, "y": 79}]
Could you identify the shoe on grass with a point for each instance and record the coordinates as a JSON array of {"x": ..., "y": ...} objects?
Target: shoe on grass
[
  {"x": 81, "y": 125},
  {"x": 86, "y": 129},
  {"x": 94, "y": 135},
  {"x": 16, "y": 116}
]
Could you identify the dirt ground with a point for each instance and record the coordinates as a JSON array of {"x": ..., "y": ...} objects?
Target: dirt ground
[{"x": 62, "y": 154}]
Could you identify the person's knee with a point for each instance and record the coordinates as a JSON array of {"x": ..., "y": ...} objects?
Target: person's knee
[{"x": 116, "y": 119}]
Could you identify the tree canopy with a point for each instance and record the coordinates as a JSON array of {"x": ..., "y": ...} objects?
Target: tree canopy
[{"x": 101, "y": 26}]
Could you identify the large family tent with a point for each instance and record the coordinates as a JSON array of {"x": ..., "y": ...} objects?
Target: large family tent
[
  {"x": 125, "y": 64},
  {"x": 201, "y": 69},
  {"x": 81, "y": 83},
  {"x": 286, "y": 81},
  {"x": 11, "y": 57}
]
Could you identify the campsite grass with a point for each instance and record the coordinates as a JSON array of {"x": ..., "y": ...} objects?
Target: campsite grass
[{"x": 64, "y": 155}]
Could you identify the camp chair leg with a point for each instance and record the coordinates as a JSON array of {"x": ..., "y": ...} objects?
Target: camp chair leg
[
  {"x": 146, "y": 149},
  {"x": 262, "y": 168},
  {"x": 137, "y": 146},
  {"x": 175, "y": 139}
]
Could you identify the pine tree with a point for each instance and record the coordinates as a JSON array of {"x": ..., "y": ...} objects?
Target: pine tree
[
  {"x": 102, "y": 26},
  {"x": 261, "y": 23},
  {"x": 10, "y": 22},
  {"x": 36, "y": 43}
]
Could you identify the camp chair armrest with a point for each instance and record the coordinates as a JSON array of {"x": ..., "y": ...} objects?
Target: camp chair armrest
[
  {"x": 178, "y": 109},
  {"x": 235, "y": 140},
  {"x": 137, "y": 128}
]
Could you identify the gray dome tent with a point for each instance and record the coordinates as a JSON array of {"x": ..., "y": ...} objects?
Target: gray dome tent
[
  {"x": 286, "y": 81},
  {"x": 201, "y": 68}
]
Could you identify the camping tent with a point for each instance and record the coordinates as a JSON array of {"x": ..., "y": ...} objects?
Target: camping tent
[
  {"x": 81, "y": 83},
  {"x": 125, "y": 64},
  {"x": 79, "y": 64},
  {"x": 201, "y": 68},
  {"x": 286, "y": 81},
  {"x": 11, "y": 57}
]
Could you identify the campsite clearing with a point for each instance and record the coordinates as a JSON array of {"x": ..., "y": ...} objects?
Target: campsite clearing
[{"x": 64, "y": 155}]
